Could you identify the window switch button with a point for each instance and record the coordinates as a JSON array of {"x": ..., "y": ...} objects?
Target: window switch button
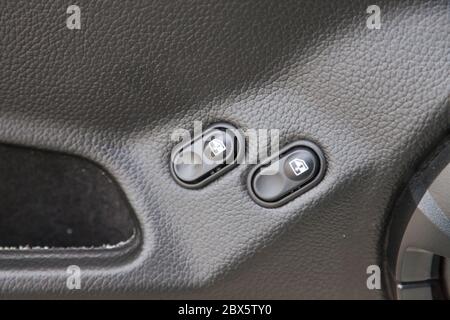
[
  {"x": 296, "y": 169},
  {"x": 206, "y": 157}
]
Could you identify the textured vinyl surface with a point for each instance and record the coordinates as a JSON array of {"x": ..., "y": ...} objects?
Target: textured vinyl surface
[{"x": 374, "y": 100}]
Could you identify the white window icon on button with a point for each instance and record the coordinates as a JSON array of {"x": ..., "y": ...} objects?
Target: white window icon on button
[
  {"x": 298, "y": 166},
  {"x": 216, "y": 146}
]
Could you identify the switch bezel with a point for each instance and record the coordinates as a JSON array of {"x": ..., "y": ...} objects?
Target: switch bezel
[
  {"x": 297, "y": 191},
  {"x": 238, "y": 154}
]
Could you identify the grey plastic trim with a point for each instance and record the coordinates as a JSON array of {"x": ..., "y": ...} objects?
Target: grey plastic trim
[{"x": 420, "y": 224}]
